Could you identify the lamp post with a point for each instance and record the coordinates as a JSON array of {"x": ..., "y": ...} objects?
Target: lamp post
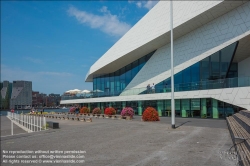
[{"x": 172, "y": 68}]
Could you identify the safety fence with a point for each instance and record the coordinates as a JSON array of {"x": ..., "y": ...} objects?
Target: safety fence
[{"x": 29, "y": 123}]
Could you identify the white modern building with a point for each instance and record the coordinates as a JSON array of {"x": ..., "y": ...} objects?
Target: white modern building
[{"x": 211, "y": 62}]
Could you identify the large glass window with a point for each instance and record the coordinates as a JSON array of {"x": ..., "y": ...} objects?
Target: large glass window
[
  {"x": 106, "y": 84},
  {"x": 102, "y": 84},
  {"x": 122, "y": 78},
  {"x": 186, "y": 78},
  {"x": 201, "y": 75},
  {"x": 178, "y": 81},
  {"x": 209, "y": 107},
  {"x": 177, "y": 107},
  {"x": 215, "y": 66},
  {"x": 114, "y": 83},
  {"x": 226, "y": 58},
  {"x": 205, "y": 69},
  {"x": 117, "y": 82},
  {"x": 233, "y": 71},
  {"x": 195, "y": 70},
  {"x": 185, "y": 107},
  {"x": 168, "y": 105},
  {"x": 142, "y": 62},
  {"x": 195, "y": 108},
  {"x": 135, "y": 68},
  {"x": 221, "y": 109},
  {"x": 128, "y": 76}
]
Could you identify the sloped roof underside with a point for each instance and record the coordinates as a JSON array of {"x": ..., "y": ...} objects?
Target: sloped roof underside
[{"x": 153, "y": 31}]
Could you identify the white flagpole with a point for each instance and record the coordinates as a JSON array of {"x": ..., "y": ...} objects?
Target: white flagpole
[{"x": 172, "y": 67}]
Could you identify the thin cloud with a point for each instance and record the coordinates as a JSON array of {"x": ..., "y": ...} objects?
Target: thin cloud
[
  {"x": 34, "y": 60},
  {"x": 56, "y": 74},
  {"x": 44, "y": 81},
  {"x": 150, "y": 4},
  {"x": 12, "y": 73},
  {"x": 139, "y": 4},
  {"x": 145, "y": 4},
  {"x": 108, "y": 23},
  {"x": 85, "y": 66}
]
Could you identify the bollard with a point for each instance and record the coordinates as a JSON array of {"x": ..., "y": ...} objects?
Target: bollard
[
  {"x": 44, "y": 122},
  {"x": 40, "y": 123},
  {"x": 31, "y": 124},
  {"x": 12, "y": 125},
  {"x": 37, "y": 125}
]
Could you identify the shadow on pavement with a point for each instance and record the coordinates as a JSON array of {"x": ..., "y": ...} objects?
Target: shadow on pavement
[{"x": 182, "y": 124}]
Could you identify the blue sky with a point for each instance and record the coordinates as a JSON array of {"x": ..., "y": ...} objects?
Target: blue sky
[{"x": 54, "y": 43}]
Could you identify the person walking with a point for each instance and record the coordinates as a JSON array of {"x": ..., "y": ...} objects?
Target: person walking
[
  {"x": 153, "y": 88},
  {"x": 148, "y": 88}
]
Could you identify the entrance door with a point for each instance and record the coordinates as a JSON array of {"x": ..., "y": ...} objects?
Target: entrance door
[{"x": 195, "y": 108}]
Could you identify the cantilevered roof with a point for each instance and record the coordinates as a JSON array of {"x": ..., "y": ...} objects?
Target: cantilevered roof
[{"x": 153, "y": 31}]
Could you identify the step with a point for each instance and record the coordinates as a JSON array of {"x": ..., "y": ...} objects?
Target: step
[
  {"x": 243, "y": 121},
  {"x": 237, "y": 131},
  {"x": 245, "y": 113}
]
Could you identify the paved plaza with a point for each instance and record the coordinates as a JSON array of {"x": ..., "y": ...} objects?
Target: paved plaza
[
  {"x": 6, "y": 127},
  {"x": 111, "y": 142}
]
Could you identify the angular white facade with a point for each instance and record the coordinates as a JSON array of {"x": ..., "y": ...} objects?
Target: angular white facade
[
  {"x": 153, "y": 31},
  {"x": 202, "y": 30}
]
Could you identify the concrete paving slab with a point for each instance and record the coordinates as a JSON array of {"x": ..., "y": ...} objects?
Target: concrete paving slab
[
  {"x": 133, "y": 142},
  {"x": 6, "y": 127}
]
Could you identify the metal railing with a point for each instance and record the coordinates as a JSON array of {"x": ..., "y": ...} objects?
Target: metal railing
[
  {"x": 191, "y": 86},
  {"x": 29, "y": 123}
]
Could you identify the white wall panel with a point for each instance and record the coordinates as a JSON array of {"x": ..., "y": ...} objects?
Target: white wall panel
[
  {"x": 244, "y": 67},
  {"x": 151, "y": 31},
  {"x": 153, "y": 24},
  {"x": 194, "y": 47}
]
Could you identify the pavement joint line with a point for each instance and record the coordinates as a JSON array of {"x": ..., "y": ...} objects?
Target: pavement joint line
[{"x": 7, "y": 137}]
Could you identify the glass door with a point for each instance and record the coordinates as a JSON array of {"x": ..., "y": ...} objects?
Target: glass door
[
  {"x": 195, "y": 108},
  {"x": 185, "y": 108}
]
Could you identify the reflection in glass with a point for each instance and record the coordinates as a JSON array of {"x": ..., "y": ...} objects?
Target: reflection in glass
[
  {"x": 114, "y": 83},
  {"x": 215, "y": 64},
  {"x": 211, "y": 68},
  {"x": 195, "y": 108},
  {"x": 185, "y": 107},
  {"x": 178, "y": 107}
]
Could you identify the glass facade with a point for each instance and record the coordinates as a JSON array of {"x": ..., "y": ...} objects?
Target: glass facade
[
  {"x": 210, "y": 73},
  {"x": 213, "y": 72},
  {"x": 217, "y": 66},
  {"x": 113, "y": 84},
  {"x": 186, "y": 108}
]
